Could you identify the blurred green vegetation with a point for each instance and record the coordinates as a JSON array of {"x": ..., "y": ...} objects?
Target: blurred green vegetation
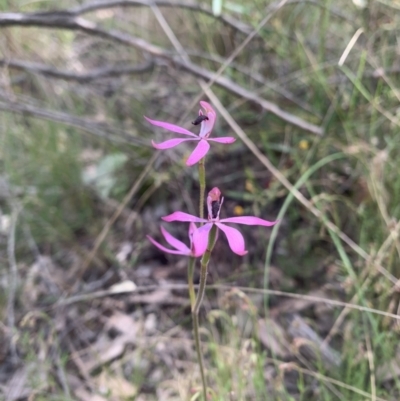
[{"x": 69, "y": 181}]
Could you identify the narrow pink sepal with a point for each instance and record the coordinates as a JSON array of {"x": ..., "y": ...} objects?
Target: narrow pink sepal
[
  {"x": 174, "y": 242},
  {"x": 164, "y": 249},
  {"x": 181, "y": 216},
  {"x": 200, "y": 239},
  {"x": 249, "y": 220},
  {"x": 235, "y": 239},
  {"x": 170, "y": 127},
  {"x": 171, "y": 143},
  {"x": 223, "y": 139},
  {"x": 199, "y": 152}
]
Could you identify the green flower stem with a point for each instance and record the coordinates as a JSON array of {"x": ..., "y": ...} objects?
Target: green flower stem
[
  {"x": 204, "y": 266},
  {"x": 199, "y": 354},
  {"x": 192, "y": 294},
  {"x": 202, "y": 182},
  {"x": 200, "y": 296}
]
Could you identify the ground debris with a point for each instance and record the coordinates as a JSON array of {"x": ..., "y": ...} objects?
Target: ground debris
[
  {"x": 272, "y": 336},
  {"x": 308, "y": 342},
  {"x": 120, "y": 330},
  {"x": 21, "y": 384},
  {"x": 389, "y": 370}
]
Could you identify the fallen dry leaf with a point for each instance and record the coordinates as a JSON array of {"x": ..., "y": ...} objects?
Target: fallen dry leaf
[
  {"x": 306, "y": 339},
  {"x": 107, "y": 349},
  {"x": 115, "y": 386},
  {"x": 272, "y": 336},
  {"x": 79, "y": 388},
  {"x": 124, "y": 286},
  {"x": 17, "y": 387}
]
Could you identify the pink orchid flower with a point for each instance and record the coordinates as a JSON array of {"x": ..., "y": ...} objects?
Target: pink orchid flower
[
  {"x": 180, "y": 247},
  {"x": 207, "y": 121},
  {"x": 234, "y": 237}
]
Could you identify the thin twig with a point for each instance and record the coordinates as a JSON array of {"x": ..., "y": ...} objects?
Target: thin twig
[
  {"x": 66, "y": 20},
  {"x": 13, "y": 278},
  {"x": 226, "y": 287},
  {"x": 61, "y": 374},
  {"x": 58, "y": 15},
  {"x": 110, "y": 72},
  {"x": 92, "y": 75},
  {"x": 101, "y": 130},
  {"x": 342, "y": 315},
  {"x": 371, "y": 363},
  {"x": 187, "y": 4},
  {"x": 191, "y": 5},
  {"x": 327, "y": 379},
  {"x": 228, "y": 84}
]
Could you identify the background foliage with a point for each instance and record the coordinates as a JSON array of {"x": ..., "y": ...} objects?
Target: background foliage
[{"x": 310, "y": 88}]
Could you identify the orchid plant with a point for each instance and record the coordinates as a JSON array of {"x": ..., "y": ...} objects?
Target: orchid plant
[
  {"x": 201, "y": 235},
  {"x": 202, "y": 238},
  {"x": 207, "y": 121}
]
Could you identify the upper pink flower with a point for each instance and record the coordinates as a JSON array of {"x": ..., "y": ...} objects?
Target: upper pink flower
[
  {"x": 207, "y": 121},
  {"x": 180, "y": 247},
  {"x": 234, "y": 237}
]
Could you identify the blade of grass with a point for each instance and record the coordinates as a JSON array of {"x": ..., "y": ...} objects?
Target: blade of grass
[{"x": 289, "y": 199}]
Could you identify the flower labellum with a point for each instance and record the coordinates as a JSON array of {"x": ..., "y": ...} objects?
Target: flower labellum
[
  {"x": 207, "y": 121},
  {"x": 214, "y": 203}
]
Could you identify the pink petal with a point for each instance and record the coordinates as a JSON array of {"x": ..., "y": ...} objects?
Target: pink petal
[
  {"x": 235, "y": 239},
  {"x": 249, "y": 220},
  {"x": 170, "y": 143},
  {"x": 174, "y": 242},
  {"x": 200, "y": 239},
  {"x": 199, "y": 152},
  {"x": 170, "y": 127},
  {"x": 163, "y": 248},
  {"x": 181, "y": 216},
  {"x": 206, "y": 106},
  {"x": 192, "y": 229},
  {"x": 223, "y": 139},
  {"x": 207, "y": 125}
]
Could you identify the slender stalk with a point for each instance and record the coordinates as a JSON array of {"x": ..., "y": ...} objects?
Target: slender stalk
[
  {"x": 192, "y": 294},
  {"x": 202, "y": 182},
  {"x": 195, "y": 304},
  {"x": 196, "y": 332},
  {"x": 200, "y": 296},
  {"x": 204, "y": 266}
]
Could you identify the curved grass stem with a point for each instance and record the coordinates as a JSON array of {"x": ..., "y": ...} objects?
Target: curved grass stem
[
  {"x": 199, "y": 353},
  {"x": 192, "y": 294}
]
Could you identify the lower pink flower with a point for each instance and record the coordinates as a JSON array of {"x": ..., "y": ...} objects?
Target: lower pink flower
[{"x": 234, "y": 237}]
